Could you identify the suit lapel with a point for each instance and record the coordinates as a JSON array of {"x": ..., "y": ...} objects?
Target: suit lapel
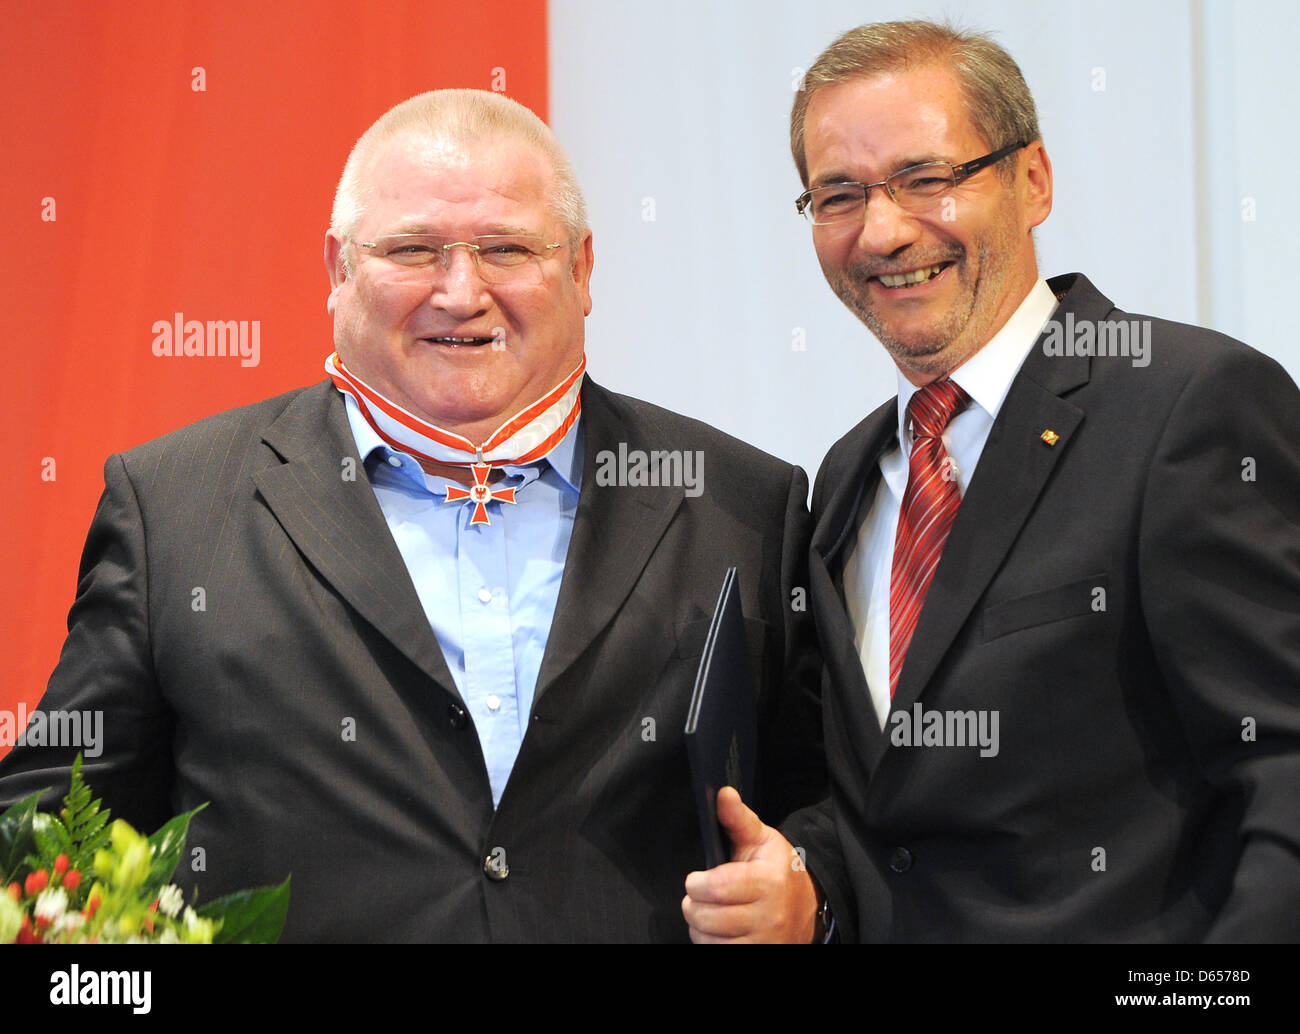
[
  {"x": 615, "y": 530},
  {"x": 336, "y": 523},
  {"x": 1012, "y": 472},
  {"x": 853, "y": 485},
  {"x": 862, "y": 448}
]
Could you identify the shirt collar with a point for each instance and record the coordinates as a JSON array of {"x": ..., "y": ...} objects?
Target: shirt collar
[
  {"x": 371, "y": 448},
  {"x": 987, "y": 375}
]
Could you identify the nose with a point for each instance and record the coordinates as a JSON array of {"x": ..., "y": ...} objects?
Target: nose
[
  {"x": 460, "y": 290},
  {"x": 886, "y": 226}
]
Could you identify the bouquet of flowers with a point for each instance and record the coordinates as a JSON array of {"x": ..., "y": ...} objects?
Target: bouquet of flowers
[{"x": 77, "y": 878}]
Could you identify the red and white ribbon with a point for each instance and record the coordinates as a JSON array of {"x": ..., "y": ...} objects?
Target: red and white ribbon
[{"x": 529, "y": 435}]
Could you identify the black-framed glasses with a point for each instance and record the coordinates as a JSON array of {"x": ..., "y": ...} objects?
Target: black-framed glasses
[
  {"x": 915, "y": 188},
  {"x": 498, "y": 257}
]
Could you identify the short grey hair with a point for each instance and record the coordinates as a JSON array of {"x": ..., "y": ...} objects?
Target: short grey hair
[
  {"x": 998, "y": 100},
  {"x": 462, "y": 116}
]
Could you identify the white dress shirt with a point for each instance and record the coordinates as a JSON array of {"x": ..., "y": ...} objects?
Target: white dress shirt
[{"x": 985, "y": 377}]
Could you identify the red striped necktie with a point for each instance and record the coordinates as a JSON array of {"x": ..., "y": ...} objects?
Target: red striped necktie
[{"x": 929, "y": 508}]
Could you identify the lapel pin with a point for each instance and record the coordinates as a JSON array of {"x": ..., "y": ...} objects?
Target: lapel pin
[{"x": 1050, "y": 437}]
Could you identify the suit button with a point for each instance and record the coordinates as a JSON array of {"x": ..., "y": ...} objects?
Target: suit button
[
  {"x": 457, "y": 716},
  {"x": 900, "y": 860},
  {"x": 494, "y": 865}
]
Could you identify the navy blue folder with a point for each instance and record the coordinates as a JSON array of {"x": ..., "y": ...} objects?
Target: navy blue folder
[{"x": 721, "y": 726}]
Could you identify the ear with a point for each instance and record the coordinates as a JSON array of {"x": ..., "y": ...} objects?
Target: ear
[
  {"x": 1036, "y": 185},
  {"x": 582, "y": 272},
  {"x": 335, "y": 267}
]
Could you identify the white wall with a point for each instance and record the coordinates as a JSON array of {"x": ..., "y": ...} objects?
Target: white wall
[{"x": 684, "y": 105}]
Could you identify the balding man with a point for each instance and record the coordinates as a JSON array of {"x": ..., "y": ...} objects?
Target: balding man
[{"x": 454, "y": 596}]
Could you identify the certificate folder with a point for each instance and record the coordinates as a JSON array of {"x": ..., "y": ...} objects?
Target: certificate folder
[{"x": 721, "y": 727}]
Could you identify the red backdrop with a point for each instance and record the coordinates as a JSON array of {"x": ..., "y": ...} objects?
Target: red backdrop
[{"x": 131, "y": 194}]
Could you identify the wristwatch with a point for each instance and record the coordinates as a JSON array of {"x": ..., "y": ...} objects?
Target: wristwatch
[{"x": 824, "y": 922}]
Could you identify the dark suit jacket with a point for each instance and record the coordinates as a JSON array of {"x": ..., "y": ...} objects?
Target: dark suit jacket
[
  {"x": 1147, "y": 783},
  {"x": 309, "y": 619}
]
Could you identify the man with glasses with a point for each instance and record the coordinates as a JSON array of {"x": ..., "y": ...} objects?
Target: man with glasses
[
  {"x": 1056, "y": 581},
  {"x": 395, "y": 628}
]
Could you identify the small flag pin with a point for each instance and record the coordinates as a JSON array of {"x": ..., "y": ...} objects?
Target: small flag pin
[{"x": 1050, "y": 437}]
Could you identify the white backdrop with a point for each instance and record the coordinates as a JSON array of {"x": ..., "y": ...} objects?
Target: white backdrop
[{"x": 1172, "y": 128}]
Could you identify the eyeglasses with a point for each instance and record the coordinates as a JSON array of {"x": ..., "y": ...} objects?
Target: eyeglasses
[
  {"x": 499, "y": 258},
  {"x": 915, "y": 189}
]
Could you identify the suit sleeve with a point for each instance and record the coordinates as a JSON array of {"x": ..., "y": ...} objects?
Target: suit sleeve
[
  {"x": 791, "y": 731},
  {"x": 1220, "y": 575},
  {"x": 811, "y": 830},
  {"x": 105, "y": 671}
]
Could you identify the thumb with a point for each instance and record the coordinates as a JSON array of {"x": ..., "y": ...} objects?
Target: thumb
[{"x": 745, "y": 829}]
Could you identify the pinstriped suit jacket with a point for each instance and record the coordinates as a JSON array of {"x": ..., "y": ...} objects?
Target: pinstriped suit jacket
[{"x": 247, "y": 624}]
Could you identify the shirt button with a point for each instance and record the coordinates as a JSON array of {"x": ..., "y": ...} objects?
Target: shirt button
[
  {"x": 493, "y": 702},
  {"x": 394, "y": 461},
  {"x": 901, "y": 860},
  {"x": 495, "y": 867},
  {"x": 485, "y": 595}
]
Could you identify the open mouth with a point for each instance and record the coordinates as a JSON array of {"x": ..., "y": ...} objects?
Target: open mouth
[
  {"x": 459, "y": 342},
  {"x": 894, "y": 281}
]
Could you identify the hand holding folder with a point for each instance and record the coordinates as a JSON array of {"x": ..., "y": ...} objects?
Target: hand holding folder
[{"x": 756, "y": 888}]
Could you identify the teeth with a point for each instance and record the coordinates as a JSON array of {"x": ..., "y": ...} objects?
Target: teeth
[
  {"x": 457, "y": 340},
  {"x": 918, "y": 276}
]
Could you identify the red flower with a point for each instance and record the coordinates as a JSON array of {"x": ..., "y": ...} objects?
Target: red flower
[
  {"x": 92, "y": 906},
  {"x": 61, "y": 864},
  {"x": 15, "y": 891},
  {"x": 148, "y": 923},
  {"x": 37, "y": 881},
  {"x": 72, "y": 880}
]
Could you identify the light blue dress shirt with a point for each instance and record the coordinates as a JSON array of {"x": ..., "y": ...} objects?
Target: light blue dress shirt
[{"x": 489, "y": 591}]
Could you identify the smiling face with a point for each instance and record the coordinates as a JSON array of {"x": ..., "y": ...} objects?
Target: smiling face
[
  {"x": 513, "y": 342},
  {"x": 972, "y": 250}
]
